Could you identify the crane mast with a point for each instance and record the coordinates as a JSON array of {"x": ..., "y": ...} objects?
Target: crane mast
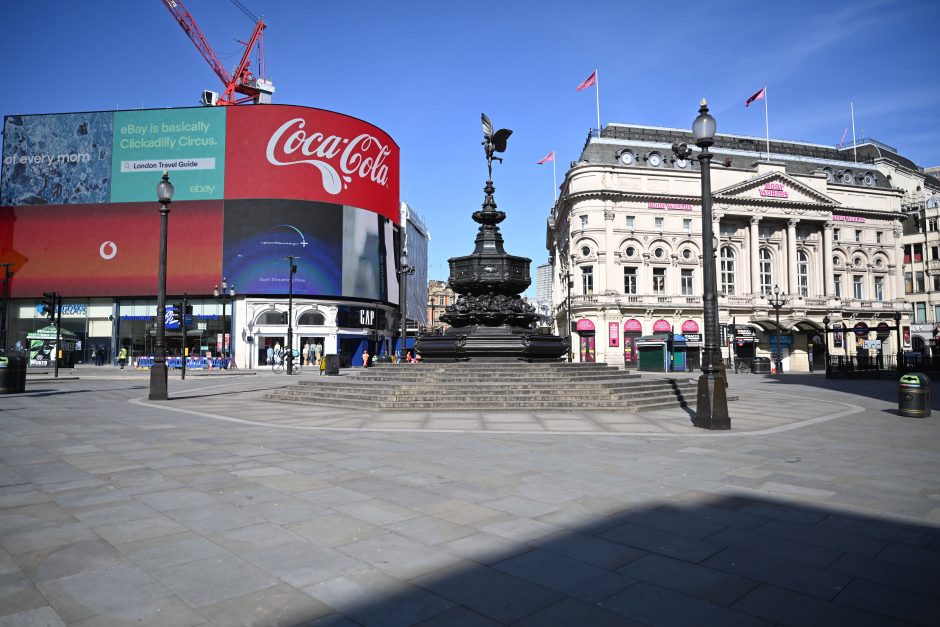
[{"x": 241, "y": 86}]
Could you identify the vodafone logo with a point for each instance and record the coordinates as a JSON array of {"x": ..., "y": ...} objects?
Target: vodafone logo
[
  {"x": 339, "y": 159},
  {"x": 107, "y": 250}
]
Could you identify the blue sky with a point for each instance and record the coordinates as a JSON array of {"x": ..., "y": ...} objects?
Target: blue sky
[{"x": 424, "y": 71}]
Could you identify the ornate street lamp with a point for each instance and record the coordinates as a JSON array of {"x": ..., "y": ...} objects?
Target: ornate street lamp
[
  {"x": 404, "y": 269},
  {"x": 568, "y": 277},
  {"x": 712, "y": 407},
  {"x": 158, "y": 372},
  {"x": 897, "y": 326},
  {"x": 777, "y": 302},
  {"x": 290, "y": 313},
  {"x": 227, "y": 294}
]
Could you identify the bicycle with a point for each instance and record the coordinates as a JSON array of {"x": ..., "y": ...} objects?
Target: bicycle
[{"x": 280, "y": 361}]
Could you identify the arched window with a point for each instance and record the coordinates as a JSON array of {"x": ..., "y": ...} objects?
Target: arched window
[
  {"x": 802, "y": 273},
  {"x": 727, "y": 270},
  {"x": 766, "y": 271},
  {"x": 273, "y": 317},
  {"x": 311, "y": 318}
]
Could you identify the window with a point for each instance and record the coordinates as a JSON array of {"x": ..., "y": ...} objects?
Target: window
[
  {"x": 936, "y": 282},
  {"x": 879, "y": 288},
  {"x": 835, "y": 234},
  {"x": 687, "y": 225},
  {"x": 585, "y": 251},
  {"x": 687, "y": 289},
  {"x": 908, "y": 283},
  {"x": 630, "y": 251},
  {"x": 879, "y": 237},
  {"x": 920, "y": 312},
  {"x": 311, "y": 318},
  {"x": 837, "y": 283},
  {"x": 273, "y": 317},
  {"x": 660, "y": 253},
  {"x": 802, "y": 273},
  {"x": 584, "y": 221},
  {"x": 934, "y": 253},
  {"x": 587, "y": 280},
  {"x": 727, "y": 270},
  {"x": 857, "y": 287},
  {"x": 766, "y": 272},
  {"x": 659, "y": 224},
  {"x": 631, "y": 222},
  {"x": 858, "y": 235},
  {"x": 442, "y": 300},
  {"x": 687, "y": 253},
  {"x": 766, "y": 231},
  {"x": 659, "y": 280},
  {"x": 629, "y": 280},
  {"x": 936, "y": 313},
  {"x": 919, "y": 282}
]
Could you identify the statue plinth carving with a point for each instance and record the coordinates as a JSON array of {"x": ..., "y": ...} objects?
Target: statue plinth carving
[{"x": 490, "y": 321}]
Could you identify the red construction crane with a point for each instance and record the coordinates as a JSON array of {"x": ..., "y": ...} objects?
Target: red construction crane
[{"x": 241, "y": 80}]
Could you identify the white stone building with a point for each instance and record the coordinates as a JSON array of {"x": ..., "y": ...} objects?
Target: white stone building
[{"x": 627, "y": 231}]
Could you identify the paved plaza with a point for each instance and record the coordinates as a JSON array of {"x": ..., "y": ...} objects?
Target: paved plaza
[{"x": 820, "y": 507}]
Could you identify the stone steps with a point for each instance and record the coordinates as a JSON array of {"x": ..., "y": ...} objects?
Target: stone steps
[{"x": 491, "y": 386}]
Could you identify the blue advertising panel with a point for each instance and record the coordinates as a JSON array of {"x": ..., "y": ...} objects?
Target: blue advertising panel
[
  {"x": 188, "y": 143},
  {"x": 56, "y": 159}
]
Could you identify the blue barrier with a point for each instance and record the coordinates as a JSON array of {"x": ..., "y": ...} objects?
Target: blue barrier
[{"x": 195, "y": 363}]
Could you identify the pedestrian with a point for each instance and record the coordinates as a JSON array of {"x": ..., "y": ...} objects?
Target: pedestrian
[
  {"x": 365, "y": 358},
  {"x": 305, "y": 355},
  {"x": 322, "y": 365},
  {"x": 317, "y": 352},
  {"x": 122, "y": 357},
  {"x": 269, "y": 359},
  {"x": 277, "y": 352}
]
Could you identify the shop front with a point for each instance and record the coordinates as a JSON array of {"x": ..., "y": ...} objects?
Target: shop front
[
  {"x": 632, "y": 331},
  {"x": 694, "y": 343},
  {"x": 585, "y": 330}
]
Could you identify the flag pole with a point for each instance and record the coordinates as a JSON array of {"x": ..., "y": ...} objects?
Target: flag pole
[
  {"x": 854, "y": 145},
  {"x": 767, "y": 122},
  {"x": 554, "y": 180},
  {"x": 597, "y": 98}
]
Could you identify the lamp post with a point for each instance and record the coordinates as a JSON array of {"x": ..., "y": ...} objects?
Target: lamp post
[
  {"x": 290, "y": 313},
  {"x": 777, "y": 303},
  {"x": 568, "y": 276},
  {"x": 897, "y": 326},
  {"x": 826, "y": 322},
  {"x": 226, "y": 294},
  {"x": 404, "y": 269},
  {"x": 158, "y": 372},
  {"x": 712, "y": 407}
]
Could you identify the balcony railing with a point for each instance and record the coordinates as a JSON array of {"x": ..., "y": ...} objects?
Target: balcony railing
[{"x": 756, "y": 302}]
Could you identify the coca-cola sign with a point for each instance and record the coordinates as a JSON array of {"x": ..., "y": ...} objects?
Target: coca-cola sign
[{"x": 280, "y": 151}]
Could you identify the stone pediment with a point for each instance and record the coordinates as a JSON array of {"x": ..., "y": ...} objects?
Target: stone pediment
[{"x": 775, "y": 187}]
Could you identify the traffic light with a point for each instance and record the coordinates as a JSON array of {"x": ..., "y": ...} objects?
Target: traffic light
[{"x": 48, "y": 305}]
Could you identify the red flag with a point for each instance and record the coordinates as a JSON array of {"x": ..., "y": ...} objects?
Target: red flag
[
  {"x": 549, "y": 157},
  {"x": 590, "y": 81},
  {"x": 758, "y": 96},
  {"x": 843, "y": 135}
]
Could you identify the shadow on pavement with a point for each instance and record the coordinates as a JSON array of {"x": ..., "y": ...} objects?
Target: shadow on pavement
[
  {"x": 716, "y": 561},
  {"x": 879, "y": 389}
]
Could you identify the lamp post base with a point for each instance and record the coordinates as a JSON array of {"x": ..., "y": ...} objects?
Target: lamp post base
[
  {"x": 158, "y": 384},
  {"x": 711, "y": 411}
]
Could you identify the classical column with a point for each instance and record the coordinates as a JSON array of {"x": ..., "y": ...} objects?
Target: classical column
[
  {"x": 754, "y": 250},
  {"x": 828, "y": 277},
  {"x": 899, "y": 262},
  {"x": 793, "y": 288}
]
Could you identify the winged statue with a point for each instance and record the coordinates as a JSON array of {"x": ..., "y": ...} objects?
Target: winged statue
[{"x": 493, "y": 142}]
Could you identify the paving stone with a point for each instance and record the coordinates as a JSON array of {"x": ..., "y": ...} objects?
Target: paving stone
[
  {"x": 169, "y": 500},
  {"x": 77, "y": 557},
  {"x": 745, "y": 563},
  {"x": 430, "y": 530},
  {"x": 573, "y": 612},
  {"x": 278, "y": 606},
  {"x": 172, "y": 550},
  {"x": 563, "y": 574},
  {"x": 214, "y": 517},
  {"x": 786, "y": 607},
  {"x": 655, "y": 605},
  {"x": 18, "y": 594},
  {"x": 336, "y": 530},
  {"x": 143, "y": 529},
  {"x": 47, "y": 537},
  {"x": 661, "y": 542},
  {"x": 697, "y": 581},
  {"x": 489, "y": 592},
  {"x": 398, "y": 556},
  {"x": 209, "y": 581},
  {"x": 766, "y": 544},
  {"x": 377, "y": 512},
  {"x": 888, "y": 601},
  {"x": 892, "y": 574},
  {"x": 300, "y": 563},
  {"x": 37, "y": 617},
  {"x": 589, "y": 549}
]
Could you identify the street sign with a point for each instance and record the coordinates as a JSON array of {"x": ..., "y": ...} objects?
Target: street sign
[
  {"x": 785, "y": 340},
  {"x": 860, "y": 329},
  {"x": 871, "y": 344}
]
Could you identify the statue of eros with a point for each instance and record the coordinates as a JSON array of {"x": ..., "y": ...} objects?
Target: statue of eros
[{"x": 493, "y": 142}]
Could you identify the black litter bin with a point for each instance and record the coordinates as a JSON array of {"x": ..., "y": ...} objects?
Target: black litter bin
[
  {"x": 761, "y": 365},
  {"x": 332, "y": 364},
  {"x": 12, "y": 374},
  {"x": 914, "y": 395}
]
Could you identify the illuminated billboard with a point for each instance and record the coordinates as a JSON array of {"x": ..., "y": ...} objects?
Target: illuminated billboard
[{"x": 253, "y": 184}]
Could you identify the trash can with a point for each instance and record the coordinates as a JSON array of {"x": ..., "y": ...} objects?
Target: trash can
[
  {"x": 761, "y": 365},
  {"x": 12, "y": 374},
  {"x": 914, "y": 395},
  {"x": 332, "y": 364}
]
